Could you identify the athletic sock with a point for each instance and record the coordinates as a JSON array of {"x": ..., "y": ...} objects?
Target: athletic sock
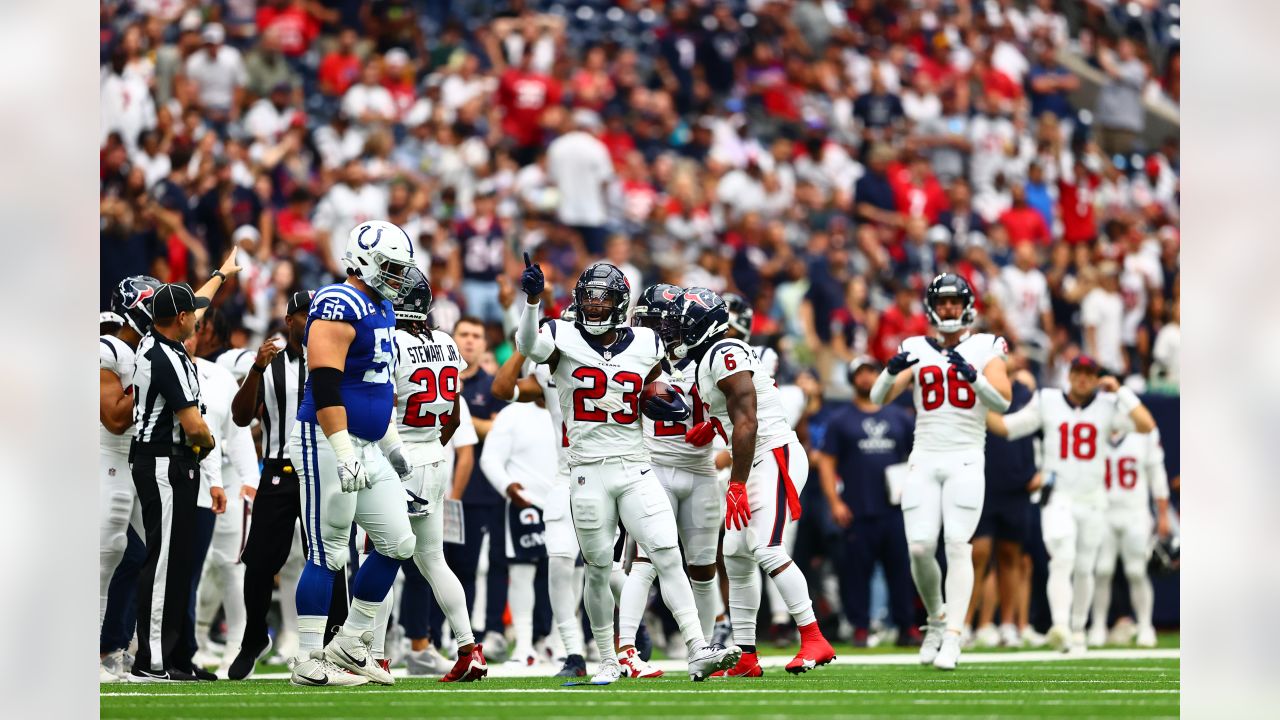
[
  {"x": 793, "y": 589},
  {"x": 959, "y": 583},
  {"x": 634, "y": 600},
  {"x": 706, "y": 595}
]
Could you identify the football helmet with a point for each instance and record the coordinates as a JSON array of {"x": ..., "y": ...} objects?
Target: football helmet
[
  {"x": 131, "y": 300},
  {"x": 655, "y": 304},
  {"x": 699, "y": 318},
  {"x": 740, "y": 315},
  {"x": 569, "y": 313},
  {"x": 944, "y": 286},
  {"x": 381, "y": 254},
  {"x": 414, "y": 304},
  {"x": 602, "y": 294},
  {"x": 1166, "y": 556}
]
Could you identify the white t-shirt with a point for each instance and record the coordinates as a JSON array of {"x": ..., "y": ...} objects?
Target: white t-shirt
[
  {"x": 217, "y": 77},
  {"x": 344, "y": 207},
  {"x": 265, "y": 123},
  {"x": 1141, "y": 271},
  {"x": 1167, "y": 352},
  {"x": 126, "y": 107},
  {"x": 1024, "y": 295},
  {"x": 521, "y": 448},
  {"x": 579, "y": 165},
  {"x": 1104, "y": 312},
  {"x": 368, "y": 98}
]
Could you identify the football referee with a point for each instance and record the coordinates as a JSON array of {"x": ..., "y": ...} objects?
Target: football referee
[
  {"x": 271, "y": 392},
  {"x": 165, "y": 457}
]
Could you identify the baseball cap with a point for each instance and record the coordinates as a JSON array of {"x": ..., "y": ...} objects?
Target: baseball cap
[
  {"x": 213, "y": 34},
  {"x": 1085, "y": 362},
  {"x": 173, "y": 298},
  {"x": 299, "y": 301},
  {"x": 863, "y": 361}
]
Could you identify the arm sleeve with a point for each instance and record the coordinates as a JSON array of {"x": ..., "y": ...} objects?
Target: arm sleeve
[
  {"x": 498, "y": 445},
  {"x": 1025, "y": 421},
  {"x": 531, "y": 342},
  {"x": 239, "y": 451},
  {"x": 1155, "y": 467},
  {"x": 880, "y": 390}
]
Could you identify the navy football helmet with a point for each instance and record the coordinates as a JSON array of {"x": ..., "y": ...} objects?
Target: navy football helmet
[
  {"x": 740, "y": 315},
  {"x": 602, "y": 295},
  {"x": 655, "y": 303},
  {"x": 1166, "y": 556},
  {"x": 131, "y": 300},
  {"x": 700, "y": 318},
  {"x": 569, "y": 313},
  {"x": 949, "y": 285},
  {"x": 413, "y": 304}
]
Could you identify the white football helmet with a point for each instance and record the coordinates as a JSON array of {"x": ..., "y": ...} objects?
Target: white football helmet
[{"x": 381, "y": 254}]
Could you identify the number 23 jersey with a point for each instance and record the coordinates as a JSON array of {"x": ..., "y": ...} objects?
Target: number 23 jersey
[
  {"x": 729, "y": 357},
  {"x": 949, "y": 416},
  {"x": 428, "y": 368}
]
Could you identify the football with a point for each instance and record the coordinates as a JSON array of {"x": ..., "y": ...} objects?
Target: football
[{"x": 654, "y": 389}]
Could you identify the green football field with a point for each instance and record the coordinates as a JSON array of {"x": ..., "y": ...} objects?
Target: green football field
[{"x": 1100, "y": 684}]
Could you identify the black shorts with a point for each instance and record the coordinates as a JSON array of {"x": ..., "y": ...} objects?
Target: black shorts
[{"x": 1004, "y": 517}]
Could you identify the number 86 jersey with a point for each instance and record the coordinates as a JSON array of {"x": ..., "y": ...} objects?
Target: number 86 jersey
[
  {"x": 428, "y": 368},
  {"x": 949, "y": 416}
]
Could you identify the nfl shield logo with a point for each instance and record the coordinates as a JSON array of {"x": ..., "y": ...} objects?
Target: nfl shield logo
[
  {"x": 582, "y": 480},
  {"x": 191, "y": 474},
  {"x": 111, "y": 472},
  {"x": 608, "y": 355}
]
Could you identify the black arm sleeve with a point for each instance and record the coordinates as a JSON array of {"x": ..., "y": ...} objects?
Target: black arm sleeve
[{"x": 326, "y": 387}]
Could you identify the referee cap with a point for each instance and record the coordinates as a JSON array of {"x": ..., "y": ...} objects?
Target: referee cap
[
  {"x": 173, "y": 298},
  {"x": 299, "y": 302}
]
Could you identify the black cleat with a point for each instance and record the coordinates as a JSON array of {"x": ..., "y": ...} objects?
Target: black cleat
[
  {"x": 644, "y": 644},
  {"x": 247, "y": 659},
  {"x": 574, "y": 666}
]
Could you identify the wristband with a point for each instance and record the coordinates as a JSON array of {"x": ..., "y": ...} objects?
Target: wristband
[
  {"x": 515, "y": 393},
  {"x": 218, "y": 274},
  {"x": 257, "y": 369},
  {"x": 1126, "y": 400},
  {"x": 342, "y": 447},
  {"x": 881, "y": 388},
  {"x": 390, "y": 439}
]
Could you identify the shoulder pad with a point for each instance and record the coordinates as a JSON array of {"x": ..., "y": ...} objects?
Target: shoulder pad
[{"x": 339, "y": 302}]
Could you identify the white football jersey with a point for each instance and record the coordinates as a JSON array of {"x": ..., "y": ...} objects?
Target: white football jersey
[
  {"x": 551, "y": 396},
  {"x": 729, "y": 357},
  {"x": 665, "y": 440},
  {"x": 116, "y": 356},
  {"x": 427, "y": 383},
  {"x": 599, "y": 390},
  {"x": 949, "y": 415},
  {"x": 1074, "y": 447},
  {"x": 1135, "y": 471}
]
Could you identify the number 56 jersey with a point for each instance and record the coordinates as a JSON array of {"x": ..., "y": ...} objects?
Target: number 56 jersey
[
  {"x": 949, "y": 416},
  {"x": 600, "y": 390},
  {"x": 428, "y": 368},
  {"x": 730, "y": 357}
]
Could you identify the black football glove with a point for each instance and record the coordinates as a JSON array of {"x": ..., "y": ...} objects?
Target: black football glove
[
  {"x": 674, "y": 410},
  {"x": 531, "y": 280},
  {"x": 900, "y": 362},
  {"x": 966, "y": 371}
]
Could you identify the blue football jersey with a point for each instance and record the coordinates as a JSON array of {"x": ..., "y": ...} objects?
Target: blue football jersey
[{"x": 368, "y": 380}]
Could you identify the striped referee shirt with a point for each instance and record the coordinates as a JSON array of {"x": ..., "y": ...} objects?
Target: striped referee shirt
[
  {"x": 279, "y": 394},
  {"x": 164, "y": 382}
]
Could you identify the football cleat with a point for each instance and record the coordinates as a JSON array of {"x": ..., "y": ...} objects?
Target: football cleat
[
  {"x": 574, "y": 666},
  {"x": 709, "y": 659},
  {"x": 949, "y": 653},
  {"x": 1078, "y": 646},
  {"x": 1009, "y": 636},
  {"x": 468, "y": 668},
  {"x": 748, "y": 666},
  {"x": 497, "y": 644},
  {"x": 317, "y": 671},
  {"x": 932, "y": 641},
  {"x": 248, "y": 657},
  {"x": 1032, "y": 639},
  {"x": 814, "y": 650},
  {"x": 1097, "y": 636},
  {"x": 633, "y": 666},
  {"x": 352, "y": 654},
  {"x": 722, "y": 633},
  {"x": 426, "y": 662},
  {"x": 1058, "y": 638},
  {"x": 105, "y": 675},
  {"x": 117, "y": 664},
  {"x": 1146, "y": 637},
  {"x": 610, "y": 671},
  {"x": 522, "y": 659}
]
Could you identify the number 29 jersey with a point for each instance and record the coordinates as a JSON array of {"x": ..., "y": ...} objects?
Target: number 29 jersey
[
  {"x": 729, "y": 357},
  {"x": 428, "y": 368},
  {"x": 949, "y": 416},
  {"x": 368, "y": 386},
  {"x": 599, "y": 388}
]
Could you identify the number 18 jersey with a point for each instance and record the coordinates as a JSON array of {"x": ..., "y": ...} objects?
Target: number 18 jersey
[
  {"x": 1075, "y": 438},
  {"x": 428, "y": 368},
  {"x": 949, "y": 416}
]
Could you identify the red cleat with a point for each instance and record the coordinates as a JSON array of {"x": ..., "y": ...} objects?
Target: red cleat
[
  {"x": 748, "y": 666},
  {"x": 469, "y": 668},
  {"x": 814, "y": 650}
]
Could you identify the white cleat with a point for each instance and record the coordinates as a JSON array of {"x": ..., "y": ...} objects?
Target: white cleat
[
  {"x": 1009, "y": 636},
  {"x": 949, "y": 653},
  {"x": 1058, "y": 638},
  {"x": 352, "y": 654},
  {"x": 105, "y": 675},
  {"x": 317, "y": 671},
  {"x": 1032, "y": 639},
  {"x": 709, "y": 659},
  {"x": 610, "y": 672},
  {"x": 522, "y": 659},
  {"x": 634, "y": 667},
  {"x": 1097, "y": 636},
  {"x": 987, "y": 637},
  {"x": 932, "y": 641},
  {"x": 495, "y": 647},
  {"x": 117, "y": 663},
  {"x": 1146, "y": 637},
  {"x": 1078, "y": 645}
]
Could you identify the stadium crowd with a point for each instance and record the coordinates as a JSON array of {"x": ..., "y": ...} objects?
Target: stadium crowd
[{"x": 824, "y": 160}]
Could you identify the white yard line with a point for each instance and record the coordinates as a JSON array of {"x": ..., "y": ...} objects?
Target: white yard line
[{"x": 296, "y": 700}]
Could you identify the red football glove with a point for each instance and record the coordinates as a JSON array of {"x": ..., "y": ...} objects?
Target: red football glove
[
  {"x": 736, "y": 509},
  {"x": 700, "y": 434}
]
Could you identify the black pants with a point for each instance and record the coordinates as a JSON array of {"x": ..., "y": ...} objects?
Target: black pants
[
  {"x": 167, "y": 488},
  {"x": 463, "y": 559},
  {"x": 276, "y": 509},
  {"x": 203, "y": 538},
  {"x": 870, "y": 539}
]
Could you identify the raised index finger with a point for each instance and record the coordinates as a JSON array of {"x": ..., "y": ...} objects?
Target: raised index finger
[{"x": 527, "y": 261}]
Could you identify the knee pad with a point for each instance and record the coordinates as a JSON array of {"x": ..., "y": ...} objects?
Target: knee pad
[
  {"x": 921, "y": 550},
  {"x": 404, "y": 548},
  {"x": 737, "y": 567},
  {"x": 771, "y": 558}
]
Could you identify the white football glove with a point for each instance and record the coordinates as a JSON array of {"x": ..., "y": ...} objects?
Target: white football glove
[{"x": 352, "y": 477}]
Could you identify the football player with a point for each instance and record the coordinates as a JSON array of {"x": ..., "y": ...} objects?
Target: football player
[
  {"x": 1135, "y": 476},
  {"x": 956, "y": 376},
  {"x": 1076, "y": 424},
  {"x": 682, "y": 459},
  {"x": 601, "y": 367},
  {"x": 428, "y": 394},
  {"x": 118, "y": 499},
  {"x": 350, "y": 452},
  {"x": 770, "y": 468}
]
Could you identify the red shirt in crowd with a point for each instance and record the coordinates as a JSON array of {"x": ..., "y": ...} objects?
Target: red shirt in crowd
[
  {"x": 523, "y": 96},
  {"x": 338, "y": 72},
  {"x": 618, "y": 144},
  {"x": 403, "y": 94},
  {"x": 895, "y": 326},
  {"x": 292, "y": 25},
  {"x": 1000, "y": 85},
  {"x": 1025, "y": 224},
  {"x": 926, "y": 200},
  {"x": 297, "y": 228},
  {"x": 1075, "y": 200}
]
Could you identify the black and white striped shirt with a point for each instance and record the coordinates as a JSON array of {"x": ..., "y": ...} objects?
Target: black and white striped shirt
[
  {"x": 279, "y": 394},
  {"x": 164, "y": 382}
]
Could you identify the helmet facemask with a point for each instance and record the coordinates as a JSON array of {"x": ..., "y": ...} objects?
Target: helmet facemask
[
  {"x": 393, "y": 278},
  {"x": 951, "y": 325},
  {"x": 599, "y": 309}
]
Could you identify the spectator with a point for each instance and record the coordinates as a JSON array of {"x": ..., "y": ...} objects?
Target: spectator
[
  {"x": 348, "y": 203},
  {"x": 874, "y": 194},
  {"x": 269, "y": 117},
  {"x": 340, "y": 69},
  {"x": 1102, "y": 316},
  {"x": 483, "y": 247},
  {"x": 291, "y": 23},
  {"x": 1166, "y": 366},
  {"x": 368, "y": 102},
  {"x": 524, "y": 94},
  {"x": 960, "y": 218},
  {"x": 1023, "y": 222},
  {"x": 220, "y": 76},
  {"x": 127, "y": 106},
  {"x": 266, "y": 68},
  {"x": 1049, "y": 85},
  {"x": 1121, "y": 116},
  {"x": 579, "y": 165},
  {"x": 903, "y": 319},
  {"x": 1023, "y": 294}
]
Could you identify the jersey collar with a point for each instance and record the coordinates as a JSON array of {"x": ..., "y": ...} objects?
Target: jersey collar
[
  {"x": 619, "y": 346},
  {"x": 1066, "y": 397}
]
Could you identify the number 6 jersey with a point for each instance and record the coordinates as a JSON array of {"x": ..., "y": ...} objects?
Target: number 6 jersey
[
  {"x": 728, "y": 357},
  {"x": 427, "y": 384},
  {"x": 949, "y": 416}
]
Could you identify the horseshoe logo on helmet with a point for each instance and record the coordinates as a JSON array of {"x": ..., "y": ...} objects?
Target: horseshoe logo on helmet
[{"x": 360, "y": 237}]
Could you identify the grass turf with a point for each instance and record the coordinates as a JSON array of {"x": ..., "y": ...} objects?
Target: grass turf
[{"x": 1069, "y": 688}]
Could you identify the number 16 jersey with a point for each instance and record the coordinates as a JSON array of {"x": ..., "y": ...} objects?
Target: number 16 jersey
[
  {"x": 428, "y": 368},
  {"x": 949, "y": 416}
]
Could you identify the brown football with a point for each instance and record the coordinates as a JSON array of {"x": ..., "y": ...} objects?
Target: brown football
[{"x": 656, "y": 389}]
